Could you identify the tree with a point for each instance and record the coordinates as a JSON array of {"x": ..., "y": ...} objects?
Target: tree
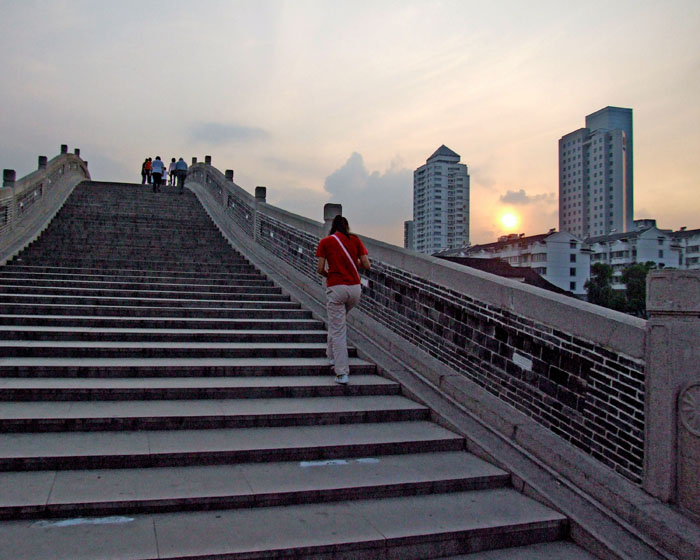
[
  {"x": 599, "y": 285},
  {"x": 635, "y": 278}
]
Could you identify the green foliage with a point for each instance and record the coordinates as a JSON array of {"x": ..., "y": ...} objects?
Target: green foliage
[
  {"x": 635, "y": 278},
  {"x": 599, "y": 285},
  {"x": 632, "y": 300}
]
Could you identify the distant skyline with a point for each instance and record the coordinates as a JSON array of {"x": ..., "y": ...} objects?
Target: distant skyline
[{"x": 340, "y": 100}]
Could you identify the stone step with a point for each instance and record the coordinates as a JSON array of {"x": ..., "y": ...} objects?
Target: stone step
[
  {"x": 169, "y": 388},
  {"x": 251, "y": 310},
  {"x": 143, "y": 284},
  {"x": 83, "y": 416},
  {"x": 173, "y": 367},
  {"x": 98, "y": 265},
  {"x": 270, "y": 293},
  {"x": 51, "y": 494},
  {"x": 133, "y": 276},
  {"x": 85, "y": 334},
  {"x": 409, "y": 528},
  {"x": 242, "y": 301},
  {"x": 559, "y": 550},
  {"x": 99, "y": 349},
  {"x": 125, "y": 322},
  {"x": 152, "y": 448}
]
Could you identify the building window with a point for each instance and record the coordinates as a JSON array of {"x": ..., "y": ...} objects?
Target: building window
[
  {"x": 572, "y": 272},
  {"x": 572, "y": 286},
  {"x": 661, "y": 253},
  {"x": 572, "y": 258}
]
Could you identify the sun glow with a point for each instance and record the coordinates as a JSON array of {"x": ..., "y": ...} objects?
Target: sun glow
[{"x": 509, "y": 220}]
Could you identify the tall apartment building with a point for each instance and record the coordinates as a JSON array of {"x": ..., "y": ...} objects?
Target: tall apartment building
[
  {"x": 596, "y": 194},
  {"x": 408, "y": 234},
  {"x": 440, "y": 203}
]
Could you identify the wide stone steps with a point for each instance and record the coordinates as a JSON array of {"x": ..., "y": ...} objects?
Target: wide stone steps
[
  {"x": 205, "y": 413},
  {"x": 160, "y": 398},
  {"x": 111, "y": 334},
  {"x": 241, "y": 310},
  {"x": 173, "y": 367},
  {"x": 141, "y": 349},
  {"x": 141, "y": 276},
  {"x": 168, "y": 388},
  {"x": 163, "y": 323},
  {"x": 268, "y": 293},
  {"x": 58, "y": 285},
  {"x": 51, "y": 494},
  {"x": 407, "y": 527},
  {"x": 151, "y": 448},
  {"x": 150, "y": 300}
]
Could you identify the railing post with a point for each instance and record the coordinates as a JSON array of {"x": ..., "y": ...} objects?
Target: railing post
[
  {"x": 330, "y": 211},
  {"x": 8, "y": 178},
  {"x": 77, "y": 152},
  {"x": 194, "y": 160},
  {"x": 672, "y": 400},
  {"x": 260, "y": 196},
  {"x": 64, "y": 148},
  {"x": 229, "y": 175},
  {"x": 43, "y": 161},
  {"x": 207, "y": 160}
]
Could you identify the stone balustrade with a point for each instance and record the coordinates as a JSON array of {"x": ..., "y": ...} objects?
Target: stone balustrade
[
  {"x": 28, "y": 204},
  {"x": 576, "y": 369}
]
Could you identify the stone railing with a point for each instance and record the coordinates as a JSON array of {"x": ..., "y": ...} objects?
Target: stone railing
[
  {"x": 28, "y": 204},
  {"x": 586, "y": 376}
]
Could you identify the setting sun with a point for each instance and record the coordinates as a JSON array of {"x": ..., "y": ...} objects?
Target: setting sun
[{"x": 509, "y": 220}]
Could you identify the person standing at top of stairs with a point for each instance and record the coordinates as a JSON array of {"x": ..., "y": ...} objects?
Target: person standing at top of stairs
[
  {"x": 157, "y": 168},
  {"x": 181, "y": 174}
]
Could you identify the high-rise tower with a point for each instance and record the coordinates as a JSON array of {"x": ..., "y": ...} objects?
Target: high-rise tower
[
  {"x": 441, "y": 203},
  {"x": 596, "y": 194}
]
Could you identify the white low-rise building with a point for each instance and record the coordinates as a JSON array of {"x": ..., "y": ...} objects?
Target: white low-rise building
[
  {"x": 688, "y": 242},
  {"x": 646, "y": 244},
  {"x": 559, "y": 257}
]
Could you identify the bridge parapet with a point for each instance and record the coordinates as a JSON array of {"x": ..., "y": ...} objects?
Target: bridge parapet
[
  {"x": 28, "y": 204},
  {"x": 561, "y": 379},
  {"x": 575, "y": 368}
]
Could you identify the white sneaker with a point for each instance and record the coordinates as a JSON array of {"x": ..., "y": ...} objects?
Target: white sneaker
[{"x": 342, "y": 379}]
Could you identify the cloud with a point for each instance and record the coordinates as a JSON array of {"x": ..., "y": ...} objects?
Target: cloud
[
  {"x": 217, "y": 133},
  {"x": 375, "y": 203},
  {"x": 521, "y": 197}
]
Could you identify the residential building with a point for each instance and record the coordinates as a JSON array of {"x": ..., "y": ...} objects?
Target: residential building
[
  {"x": 441, "y": 203},
  {"x": 646, "y": 243},
  {"x": 688, "y": 242},
  {"x": 596, "y": 180},
  {"x": 408, "y": 234},
  {"x": 559, "y": 257}
]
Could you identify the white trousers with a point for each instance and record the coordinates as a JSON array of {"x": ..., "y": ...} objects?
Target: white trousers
[{"x": 339, "y": 300}]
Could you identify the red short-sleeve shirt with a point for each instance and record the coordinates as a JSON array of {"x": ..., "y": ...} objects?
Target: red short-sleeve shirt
[{"x": 340, "y": 269}]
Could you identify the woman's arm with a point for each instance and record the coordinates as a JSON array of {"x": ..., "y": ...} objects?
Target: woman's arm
[
  {"x": 321, "y": 267},
  {"x": 364, "y": 262}
]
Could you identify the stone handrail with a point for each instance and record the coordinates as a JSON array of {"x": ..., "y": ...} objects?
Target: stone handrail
[
  {"x": 28, "y": 204},
  {"x": 604, "y": 402},
  {"x": 575, "y": 368}
]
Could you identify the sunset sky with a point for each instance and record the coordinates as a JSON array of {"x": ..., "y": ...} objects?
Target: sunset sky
[{"x": 340, "y": 100}]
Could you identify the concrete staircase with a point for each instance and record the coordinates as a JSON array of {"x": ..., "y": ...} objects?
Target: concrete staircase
[{"x": 160, "y": 398}]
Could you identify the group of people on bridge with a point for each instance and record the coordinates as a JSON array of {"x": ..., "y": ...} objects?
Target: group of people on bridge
[{"x": 154, "y": 172}]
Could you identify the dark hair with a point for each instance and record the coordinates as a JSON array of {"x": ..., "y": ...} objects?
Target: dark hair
[{"x": 340, "y": 224}]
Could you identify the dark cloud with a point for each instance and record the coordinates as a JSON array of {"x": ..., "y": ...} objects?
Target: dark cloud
[
  {"x": 217, "y": 133},
  {"x": 375, "y": 203},
  {"x": 521, "y": 197}
]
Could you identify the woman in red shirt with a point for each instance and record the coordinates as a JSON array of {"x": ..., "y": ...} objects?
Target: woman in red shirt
[{"x": 339, "y": 257}]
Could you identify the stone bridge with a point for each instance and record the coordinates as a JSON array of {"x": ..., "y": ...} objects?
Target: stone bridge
[{"x": 593, "y": 413}]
